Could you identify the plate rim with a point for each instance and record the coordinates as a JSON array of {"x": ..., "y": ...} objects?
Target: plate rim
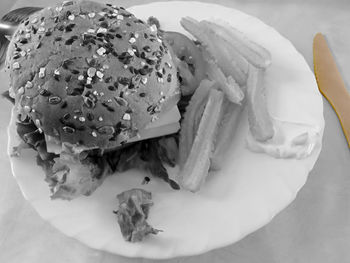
[{"x": 317, "y": 150}]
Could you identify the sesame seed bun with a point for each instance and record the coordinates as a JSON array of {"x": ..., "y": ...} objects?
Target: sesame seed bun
[{"x": 90, "y": 74}]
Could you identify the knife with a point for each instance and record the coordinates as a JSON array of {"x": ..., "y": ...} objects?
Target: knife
[{"x": 330, "y": 82}]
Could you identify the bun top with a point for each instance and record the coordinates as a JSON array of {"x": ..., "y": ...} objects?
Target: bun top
[{"x": 90, "y": 74}]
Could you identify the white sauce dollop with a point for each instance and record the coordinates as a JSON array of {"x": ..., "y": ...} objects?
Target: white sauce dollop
[{"x": 291, "y": 140}]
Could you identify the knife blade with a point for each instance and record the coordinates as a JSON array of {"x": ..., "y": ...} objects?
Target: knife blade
[{"x": 330, "y": 82}]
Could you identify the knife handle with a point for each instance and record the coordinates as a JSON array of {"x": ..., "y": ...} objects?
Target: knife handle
[
  {"x": 340, "y": 102},
  {"x": 337, "y": 95}
]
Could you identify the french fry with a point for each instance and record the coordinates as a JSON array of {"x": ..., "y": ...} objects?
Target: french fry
[
  {"x": 259, "y": 119},
  {"x": 231, "y": 114},
  {"x": 189, "y": 124},
  {"x": 196, "y": 168},
  {"x": 254, "y": 53},
  {"x": 229, "y": 61},
  {"x": 227, "y": 85}
]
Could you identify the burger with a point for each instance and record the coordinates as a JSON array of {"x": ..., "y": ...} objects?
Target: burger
[{"x": 89, "y": 80}]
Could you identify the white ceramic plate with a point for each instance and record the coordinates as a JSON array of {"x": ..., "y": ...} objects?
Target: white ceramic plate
[{"x": 245, "y": 195}]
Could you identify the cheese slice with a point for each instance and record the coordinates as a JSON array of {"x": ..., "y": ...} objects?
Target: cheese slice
[{"x": 167, "y": 123}]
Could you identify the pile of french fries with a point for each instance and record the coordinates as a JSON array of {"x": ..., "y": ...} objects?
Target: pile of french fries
[{"x": 235, "y": 69}]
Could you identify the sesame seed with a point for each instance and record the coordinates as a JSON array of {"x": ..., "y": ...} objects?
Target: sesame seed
[
  {"x": 95, "y": 92},
  {"x": 83, "y": 16},
  {"x": 137, "y": 35},
  {"x": 99, "y": 74},
  {"x": 20, "y": 90},
  {"x": 81, "y": 119},
  {"x": 58, "y": 38},
  {"x": 59, "y": 8},
  {"x": 16, "y": 65},
  {"x": 121, "y": 101},
  {"x": 131, "y": 52},
  {"x": 66, "y": 3},
  {"x": 56, "y": 72},
  {"x": 71, "y": 17},
  {"x": 91, "y": 30},
  {"x": 147, "y": 48},
  {"x": 41, "y": 73},
  {"x": 101, "y": 51},
  {"x": 41, "y": 29},
  {"x": 144, "y": 80},
  {"x": 126, "y": 117},
  {"x": 88, "y": 80},
  {"x": 102, "y": 30},
  {"x": 29, "y": 85},
  {"x": 132, "y": 40},
  {"x": 91, "y": 15},
  {"x": 27, "y": 36},
  {"x": 153, "y": 28},
  {"x": 102, "y": 93},
  {"x": 54, "y": 100},
  {"x": 23, "y": 41},
  {"x": 16, "y": 55},
  {"x": 94, "y": 134},
  {"x": 120, "y": 17},
  {"x": 68, "y": 129},
  {"x": 91, "y": 72},
  {"x": 100, "y": 118},
  {"x": 34, "y": 20},
  {"x": 80, "y": 77},
  {"x": 125, "y": 66},
  {"x": 102, "y": 13},
  {"x": 105, "y": 67},
  {"x": 23, "y": 53}
]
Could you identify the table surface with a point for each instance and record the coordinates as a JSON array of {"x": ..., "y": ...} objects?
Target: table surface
[{"x": 314, "y": 228}]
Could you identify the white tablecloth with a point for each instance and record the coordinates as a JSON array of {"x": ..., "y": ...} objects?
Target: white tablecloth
[{"x": 314, "y": 228}]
